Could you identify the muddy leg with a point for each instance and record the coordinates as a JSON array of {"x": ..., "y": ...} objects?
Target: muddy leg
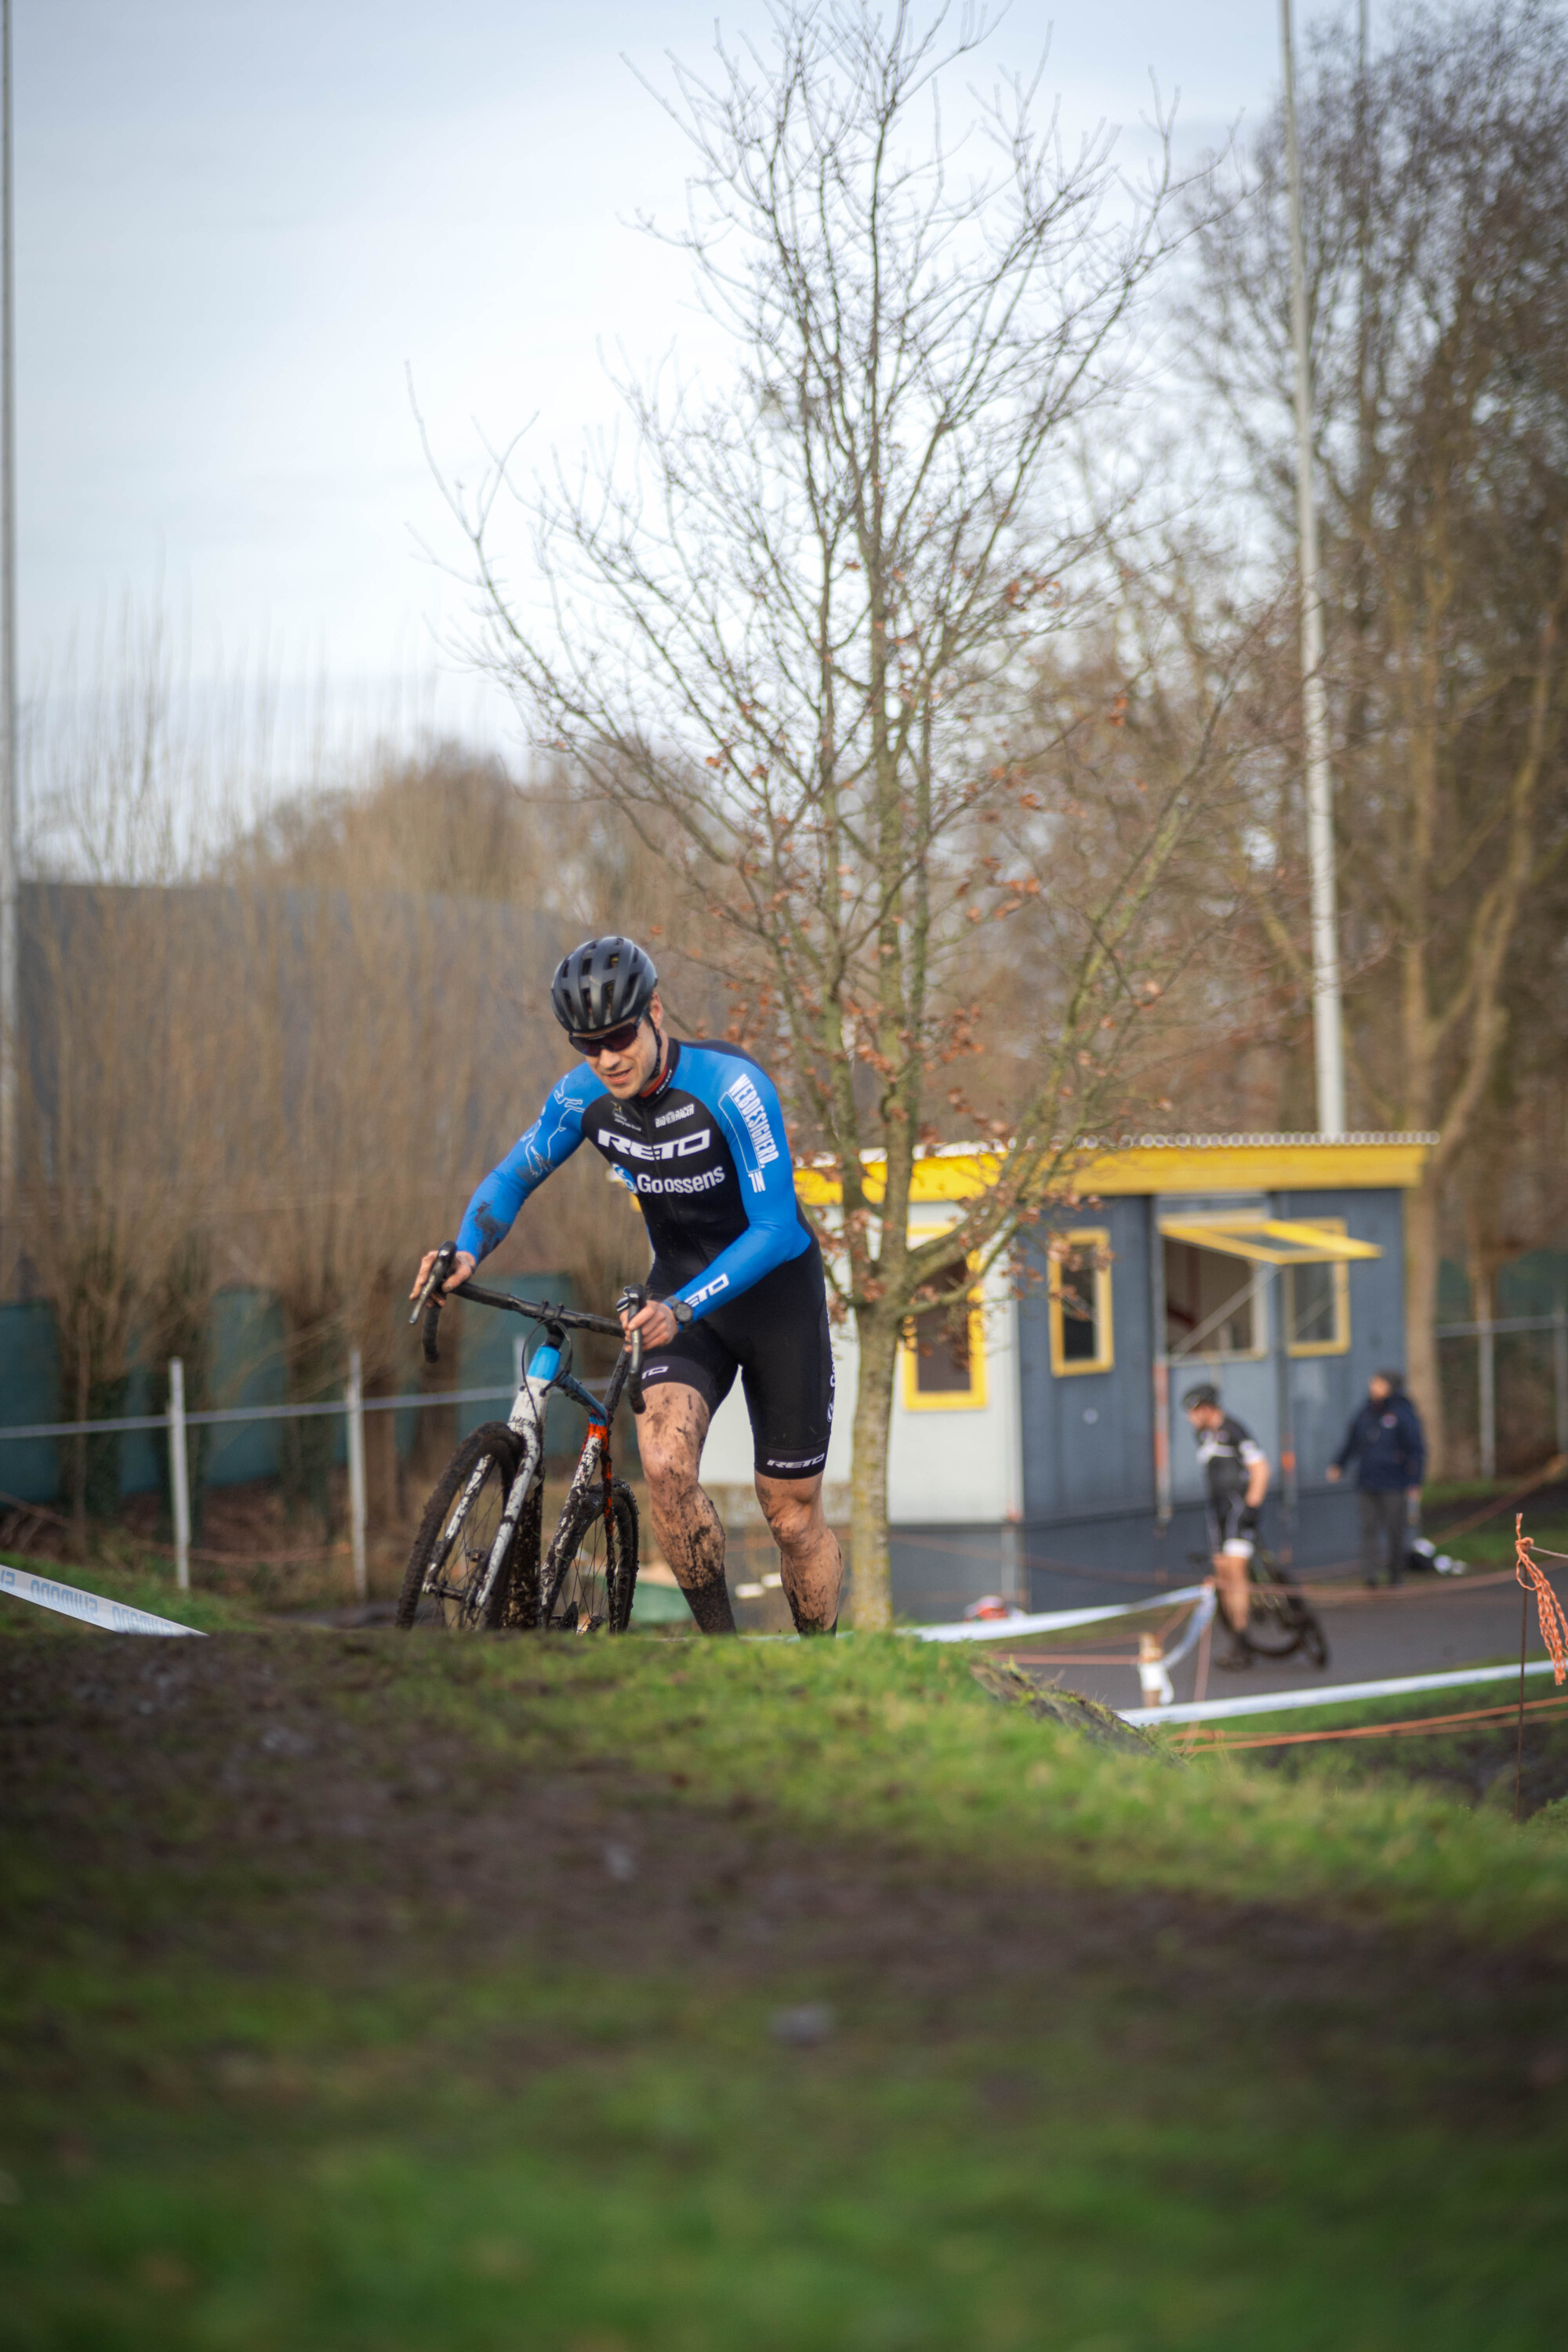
[
  {"x": 809, "y": 1556},
  {"x": 690, "y": 1538}
]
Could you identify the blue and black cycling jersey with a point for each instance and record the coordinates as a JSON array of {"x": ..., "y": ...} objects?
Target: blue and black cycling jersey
[{"x": 704, "y": 1152}]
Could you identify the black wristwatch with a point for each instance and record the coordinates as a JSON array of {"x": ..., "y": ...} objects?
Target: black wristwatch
[{"x": 682, "y": 1310}]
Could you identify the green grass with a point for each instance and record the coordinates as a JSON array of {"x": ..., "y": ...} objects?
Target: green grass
[
  {"x": 1491, "y": 1545},
  {"x": 1124, "y": 2057},
  {"x": 889, "y": 1739},
  {"x": 1474, "y": 1763}
]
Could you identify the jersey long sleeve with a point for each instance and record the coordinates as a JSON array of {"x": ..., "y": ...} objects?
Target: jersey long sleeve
[
  {"x": 548, "y": 1144},
  {"x": 704, "y": 1154},
  {"x": 744, "y": 1101}
]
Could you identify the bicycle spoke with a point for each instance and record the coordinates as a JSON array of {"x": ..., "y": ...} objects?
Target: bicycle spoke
[{"x": 449, "y": 1584}]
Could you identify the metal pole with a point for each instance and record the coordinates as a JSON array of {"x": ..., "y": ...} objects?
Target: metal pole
[
  {"x": 1288, "y": 1486},
  {"x": 1327, "y": 1036},
  {"x": 179, "y": 1474},
  {"x": 1160, "y": 1396},
  {"x": 356, "y": 1473},
  {"x": 9, "y": 785},
  {"x": 1486, "y": 1345}
]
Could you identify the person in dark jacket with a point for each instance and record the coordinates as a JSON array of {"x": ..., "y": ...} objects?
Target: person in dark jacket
[{"x": 1389, "y": 1448}]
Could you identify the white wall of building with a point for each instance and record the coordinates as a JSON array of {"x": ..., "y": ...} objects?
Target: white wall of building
[{"x": 949, "y": 1464}]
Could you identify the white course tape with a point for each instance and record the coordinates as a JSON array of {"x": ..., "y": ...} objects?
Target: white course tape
[
  {"x": 91, "y": 1608},
  {"x": 1342, "y": 1695},
  {"x": 1008, "y": 1629},
  {"x": 1202, "y": 1617}
]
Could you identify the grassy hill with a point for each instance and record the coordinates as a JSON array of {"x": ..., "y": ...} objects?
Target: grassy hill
[{"x": 361, "y": 1993}]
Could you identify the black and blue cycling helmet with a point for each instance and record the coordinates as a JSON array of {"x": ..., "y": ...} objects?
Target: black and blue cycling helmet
[
  {"x": 1194, "y": 1400},
  {"x": 601, "y": 984}
]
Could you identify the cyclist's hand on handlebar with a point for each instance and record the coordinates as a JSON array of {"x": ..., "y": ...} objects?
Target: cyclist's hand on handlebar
[
  {"x": 462, "y": 1266},
  {"x": 655, "y": 1321}
]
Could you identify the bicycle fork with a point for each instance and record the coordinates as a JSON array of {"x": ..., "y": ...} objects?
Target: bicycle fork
[
  {"x": 526, "y": 1419},
  {"x": 593, "y": 1469}
]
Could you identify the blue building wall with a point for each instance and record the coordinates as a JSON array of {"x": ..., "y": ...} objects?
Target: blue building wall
[
  {"x": 1088, "y": 1531},
  {"x": 1326, "y": 1390},
  {"x": 1088, "y": 1437}
]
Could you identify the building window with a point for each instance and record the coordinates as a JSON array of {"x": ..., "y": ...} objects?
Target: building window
[
  {"x": 1214, "y": 1304},
  {"x": 1081, "y": 1338},
  {"x": 945, "y": 1348},
  {"x": 1317, "y": 1304}
]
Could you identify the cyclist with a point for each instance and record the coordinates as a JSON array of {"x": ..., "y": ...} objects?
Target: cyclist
[
  {"x": 1236, "y": 1472},
  {"x": 695, "y": 1131}
]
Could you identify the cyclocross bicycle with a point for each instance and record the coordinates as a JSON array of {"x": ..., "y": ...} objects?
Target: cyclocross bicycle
[
  {"x": 1279, "y": 1621},
  {"x": 475, "y": 1564}
]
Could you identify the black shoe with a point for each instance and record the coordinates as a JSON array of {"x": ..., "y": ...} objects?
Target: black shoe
[{"x": 1234, "y": 1660}]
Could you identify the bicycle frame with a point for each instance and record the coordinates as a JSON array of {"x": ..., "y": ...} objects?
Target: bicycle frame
[
  {"x": 551, "y": 1369},
  {"x": 593, "y": 1468}
]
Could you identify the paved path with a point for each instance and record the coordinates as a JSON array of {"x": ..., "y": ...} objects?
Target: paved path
[{"x": 1430, "y": 1626}]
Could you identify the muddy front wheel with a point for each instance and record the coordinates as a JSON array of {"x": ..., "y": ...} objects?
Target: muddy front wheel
[{"x": 452, "y": 1582}]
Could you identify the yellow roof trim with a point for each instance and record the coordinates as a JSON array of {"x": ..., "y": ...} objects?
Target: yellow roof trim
[
  {"x": 1242, "y": 1163},
  {"x": 1285, "y": 1241}
]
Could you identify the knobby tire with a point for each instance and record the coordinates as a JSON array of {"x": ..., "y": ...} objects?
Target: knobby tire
[
  {"x": 452, "y": 1547},
  {"x": 1280, "y": 1622}
]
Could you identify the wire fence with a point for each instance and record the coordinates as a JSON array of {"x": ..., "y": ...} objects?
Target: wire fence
[
  {"x": 177, "y": 1422},
  {"x": 1535, "y": 1399},
  {"x": 353, "y": 1405}
]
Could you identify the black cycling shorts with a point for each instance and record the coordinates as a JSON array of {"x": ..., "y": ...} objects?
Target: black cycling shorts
[
  {"x": 1229, "y": 1516},
  {"x": 775, "y": 1337}
]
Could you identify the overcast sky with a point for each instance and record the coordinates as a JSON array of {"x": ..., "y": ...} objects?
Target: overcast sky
[{"x": 240, "y": 224}]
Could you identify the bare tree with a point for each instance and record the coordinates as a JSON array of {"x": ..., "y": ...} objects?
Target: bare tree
[
  {"x": 791, "y": 636},
  {"x": 1436, "y": 210}
]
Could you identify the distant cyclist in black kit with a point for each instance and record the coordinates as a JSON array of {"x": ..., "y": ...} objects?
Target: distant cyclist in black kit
[
  {"x": 695, "y": 1130},
  {"x": 1236, "y": 1472}
]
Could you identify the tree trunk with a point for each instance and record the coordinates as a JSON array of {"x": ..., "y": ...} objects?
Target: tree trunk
[
  {"x": 871, "y": 1592},
  {"x": 1421, "y": 1260}
]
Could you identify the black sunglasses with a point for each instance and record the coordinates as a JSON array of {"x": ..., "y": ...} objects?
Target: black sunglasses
[{"x": 608, "y": 1040}]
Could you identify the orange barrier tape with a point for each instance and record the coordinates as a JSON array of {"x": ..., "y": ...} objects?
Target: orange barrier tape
[
  {"x": 1553, "y": 1624},
  {"x": 1209, "y": 1742}
]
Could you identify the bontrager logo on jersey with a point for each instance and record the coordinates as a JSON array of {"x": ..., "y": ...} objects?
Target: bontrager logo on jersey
[
  {"x": 750, "y": 1104},
  {"x": 703, "y": 1183},
  {"x": 668, "y": 1117},
  {"x": 680, "y": 1146}
]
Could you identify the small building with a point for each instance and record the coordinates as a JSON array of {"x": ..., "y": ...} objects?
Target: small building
[{"x": 1042, "y": 1454}]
